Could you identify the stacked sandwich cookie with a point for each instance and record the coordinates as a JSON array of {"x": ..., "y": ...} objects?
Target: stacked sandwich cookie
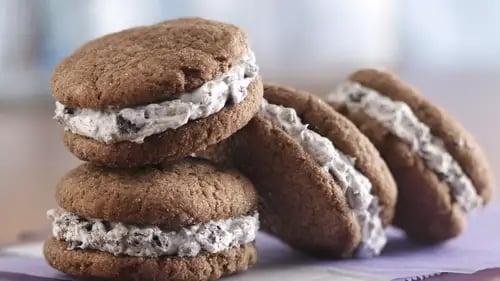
[
  {"x": 184, "y": 221},
  {"x": 136, "y": 104},
  {"x": 157, "y": 93}
]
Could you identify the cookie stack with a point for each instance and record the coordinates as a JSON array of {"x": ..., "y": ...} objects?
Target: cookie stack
[
  {"x": 329, "y": 177},
  {"x": 135, "y": 105}
]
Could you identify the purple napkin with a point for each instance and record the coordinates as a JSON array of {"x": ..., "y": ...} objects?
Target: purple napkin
[{"x": 476, "y": 250}]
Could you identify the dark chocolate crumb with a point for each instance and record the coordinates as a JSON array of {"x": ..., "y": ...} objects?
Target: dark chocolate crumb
[
  {"x": 228, "y": 79},
  {"x": 126, "y": 126},
  {"x": 88, "y": 226},
  {"x": 68, "y": 110},
  {"x": 358, "y": 96},
  {"x": 107, "y": 225},
  {"x": 156, "y": 240}
]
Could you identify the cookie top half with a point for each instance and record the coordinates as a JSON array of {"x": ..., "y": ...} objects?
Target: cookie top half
[
  {"x": 171, "y": 196},
  {"x": 147, "y": 64},
  {"x": 156, "y": 93}
]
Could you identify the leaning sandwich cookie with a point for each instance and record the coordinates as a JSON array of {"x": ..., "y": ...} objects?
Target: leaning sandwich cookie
[
  {"x": 186, "y": 221},
  {"x": 157, "y": 93},
  {"x": 440, "y": 170},
  {"x": 322, "y": 185}
]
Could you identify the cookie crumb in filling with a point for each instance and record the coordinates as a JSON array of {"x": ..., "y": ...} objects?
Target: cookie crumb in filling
[
  {"x": 400, "y": 120},
  {"x": 136, "y": 123},
  {"x": 355, "y": 185},
  {"x": 151, "y": 241}
]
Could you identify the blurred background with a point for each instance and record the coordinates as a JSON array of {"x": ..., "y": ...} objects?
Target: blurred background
[{"x": 449, "y": 49}]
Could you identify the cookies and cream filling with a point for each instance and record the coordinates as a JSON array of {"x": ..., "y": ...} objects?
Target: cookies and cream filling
[
  {"x": 151, "y": 241},
  {"x": 400, "y": 120},
  {"x": 355, "y": 185},
  {"x": 136, "y": 123}
]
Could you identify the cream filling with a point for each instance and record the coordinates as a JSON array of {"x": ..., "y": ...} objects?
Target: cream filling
[
  {"x": 136, "y": 123},
  {"x": 401, "y": 121},
  {"x": 151, "y": 241},
  {"x": 355, "y": 185}
]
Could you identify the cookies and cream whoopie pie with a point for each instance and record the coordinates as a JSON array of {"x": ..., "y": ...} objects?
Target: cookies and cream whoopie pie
[
  {"x": 187, "y": 221},
  {"x": 323, "y": 187},
  {"x": 156, "y": 93},
  {"x": 440, "y": 170}
]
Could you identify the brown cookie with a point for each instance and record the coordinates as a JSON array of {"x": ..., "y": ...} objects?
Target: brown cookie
[
  {"x": 184, "y": 193},
  {"x": 300, "y": 202},
  {"x": 156, "y": 93},
  {"x": 426, "y": 209},
  {"x": 85, "y": 263},
  {"x": 147, "y": 64},
  {"x": 170, "y": 145}
]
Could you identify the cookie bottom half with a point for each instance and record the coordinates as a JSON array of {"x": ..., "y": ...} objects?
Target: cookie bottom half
[{"x": 88, "y": 263}]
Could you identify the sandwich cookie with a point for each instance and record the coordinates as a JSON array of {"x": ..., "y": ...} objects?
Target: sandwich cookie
[
  {"x": 188, "y": 221},
  {"x": 439, "y": 168},
  {"x": 323, "y": 187},
  {"x": 157, "y": 93}
]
